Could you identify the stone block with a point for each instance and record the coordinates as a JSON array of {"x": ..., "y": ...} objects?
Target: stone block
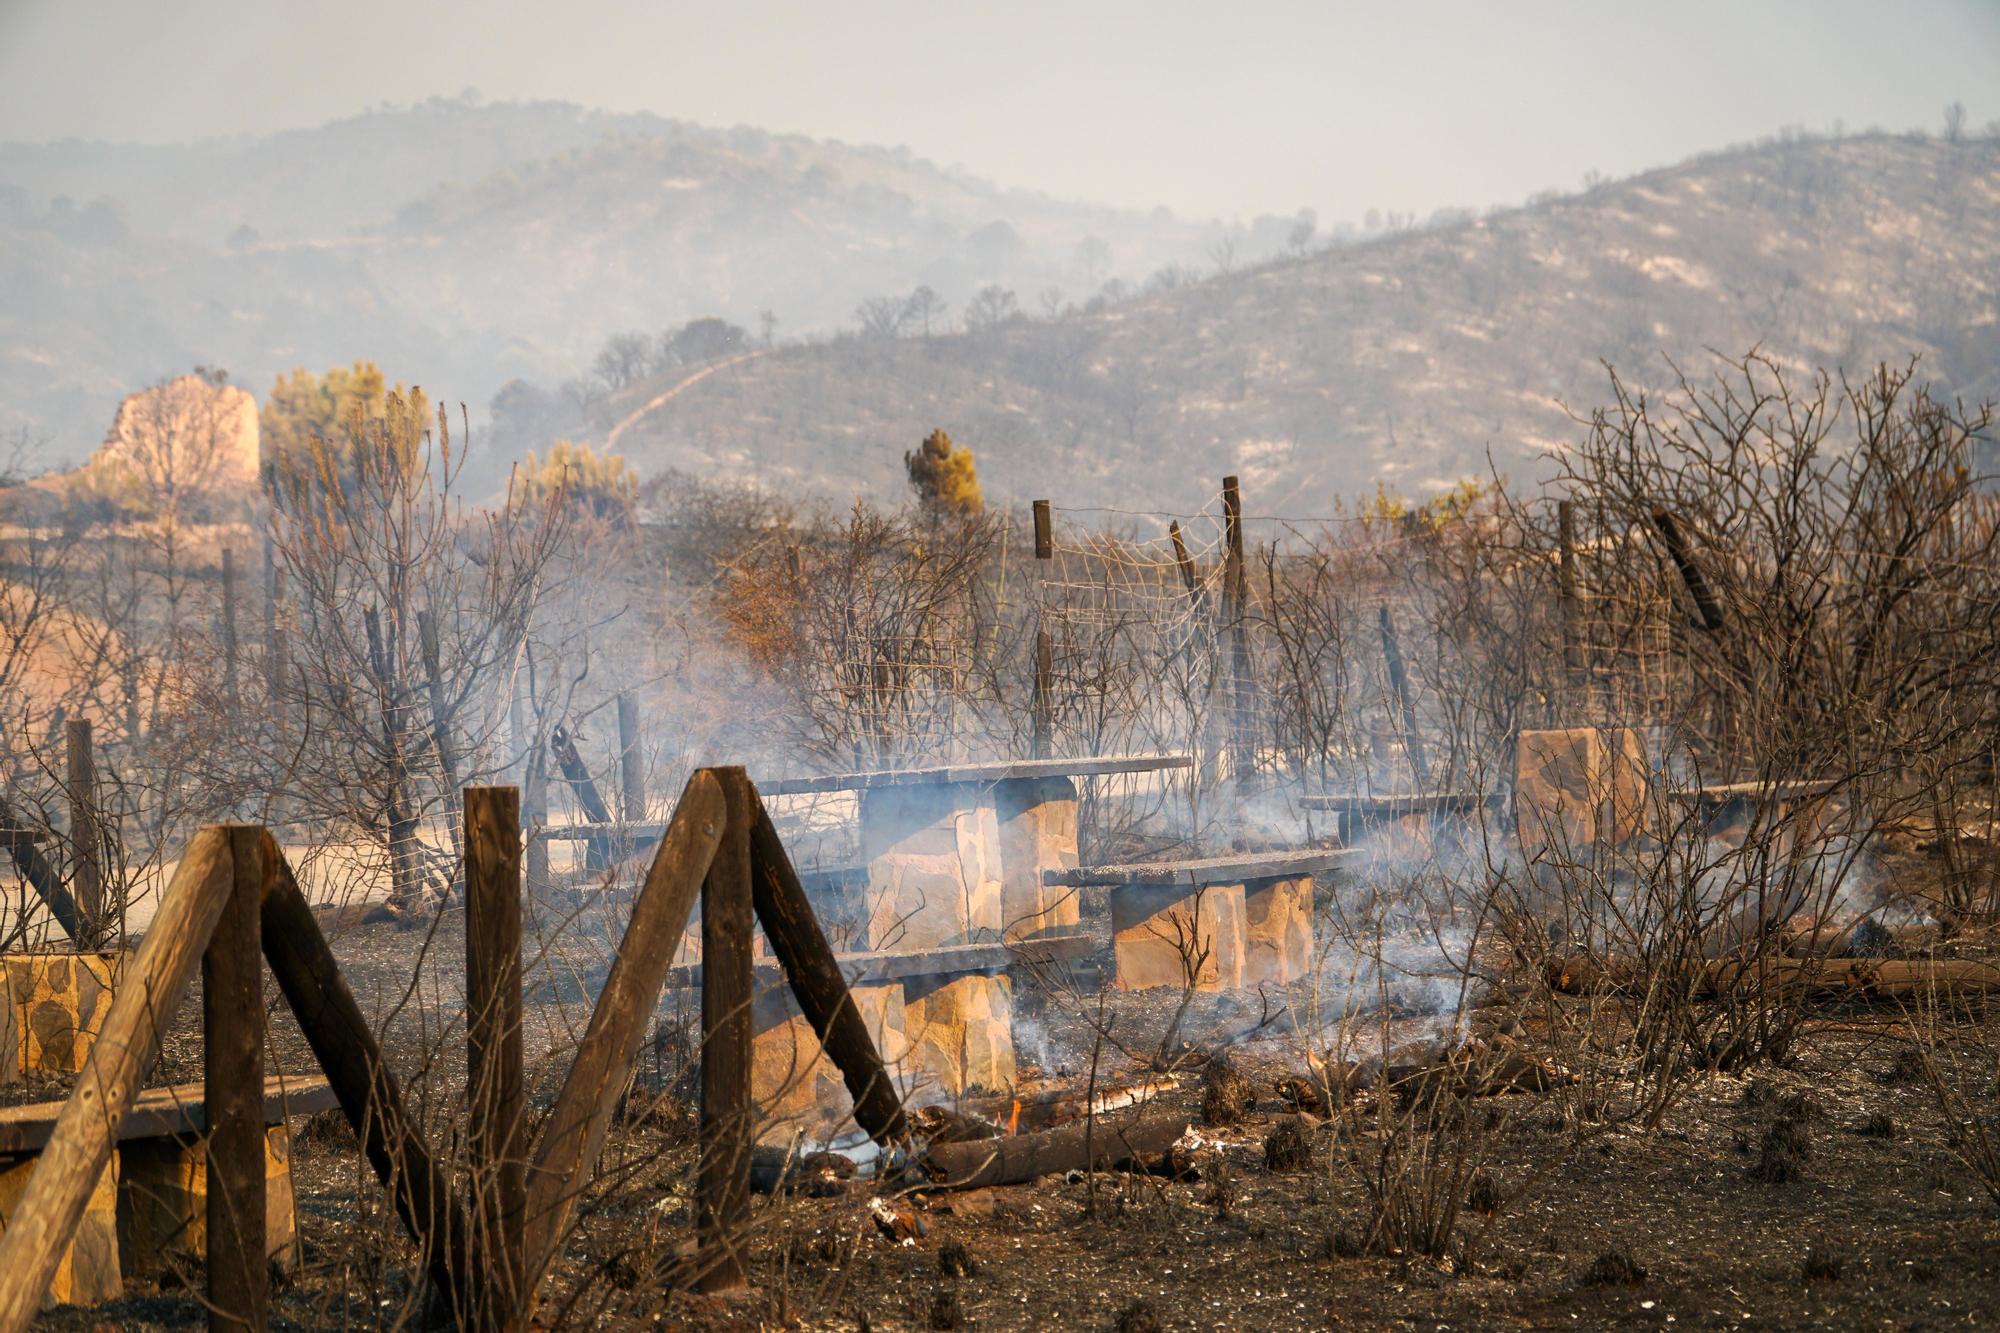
[
  {"x": 1158, "y": 930},
  {"x": 795, "y": 1088},
  {"x": 961, "y": 1033},
  {"x": 163, "y": 1201},
  {"x": 1577, "y": 787},
  {"x": 933, "y": 854},
  {"x": 1277, "y": 929},
  {"x": 1037, "y": 823},
  {"x": 59, "y": 1002},
  {"x": 88, "y": 1272}
]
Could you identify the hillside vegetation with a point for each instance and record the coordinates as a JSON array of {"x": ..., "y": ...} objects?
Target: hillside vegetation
[
  {"x": 462, "y": 245},
  {"x": 1406, "y": 360}
]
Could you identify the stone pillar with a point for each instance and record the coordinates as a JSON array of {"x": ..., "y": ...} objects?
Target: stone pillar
[
  {"x": 961, "y": 1033},
  {"x": 933, "y": 866},
  {"x": 1277, "y": 929},
  {"x": 1157, "y": 929},
  {"x": 88, "y": 1272},
  {"x": 59, "y": 1002},
  {"x": 794, "y": 1087},
  {"x": 1037, "y": 822},
  {"x": 163, "y": 1201},
  {"x": 1578, "y": 787}
]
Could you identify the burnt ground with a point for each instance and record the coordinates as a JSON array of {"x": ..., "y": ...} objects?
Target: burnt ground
[{"x": 1594, "y": 1223}]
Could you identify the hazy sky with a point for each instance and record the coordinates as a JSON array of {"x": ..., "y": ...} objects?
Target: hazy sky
[{"x": 1211, "y": 109}]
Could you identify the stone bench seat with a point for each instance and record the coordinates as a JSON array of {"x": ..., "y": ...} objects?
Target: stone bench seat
[
  {"x": 153, "y": 1196},
  {"x": 941, "y": 1019},
  {"x": 1232, "y": 869},
  {"x": 1216, "y": 922}
]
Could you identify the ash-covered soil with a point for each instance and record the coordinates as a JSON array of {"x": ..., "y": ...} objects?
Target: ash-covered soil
[{"x": 1567, "y": 1219}]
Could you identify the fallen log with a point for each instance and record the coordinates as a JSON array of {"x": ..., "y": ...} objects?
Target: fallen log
[
  {"x": 1857, "y": 978},
  {"x": 1860, "y": 978},
  {"x": 1100, "y": 1146},
  {"x": 1866, "y": 938}
]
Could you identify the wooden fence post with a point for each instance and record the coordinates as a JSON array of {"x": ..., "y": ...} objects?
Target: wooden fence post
[
  {"x": 85, "y": 1132},
  {"x": 86, "y": 833},
  {"x": 631, "y": 762},
  {"x": 493, "y": 1079},
  {"x": 1236, "y": 599},
  {"x": 1399, "y": 683},
  {"x": 229, "y": 678},
  {"x": 573, "y": 1133},
  {"x": 1044, "y": 700},
  {"x": 534, "y": 794},
  {"x": 1042, "y": 705},
  {"x": 1566, "y": 599},
  {"x": 1185, "y": 563},
  {"x": 232, "y": 992},
  {"x": 722, "y": 1190}
]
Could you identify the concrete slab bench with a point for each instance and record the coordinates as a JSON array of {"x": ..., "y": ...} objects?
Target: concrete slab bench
[
  {"x": 942, "y": 1020},
  {"x": 153, "y": 1196},
  {"x": 1219, "y": 922},
  {"x": 955, "y": 852}
]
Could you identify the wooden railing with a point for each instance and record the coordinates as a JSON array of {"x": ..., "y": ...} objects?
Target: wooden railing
[{"x": 234, "y": 898}]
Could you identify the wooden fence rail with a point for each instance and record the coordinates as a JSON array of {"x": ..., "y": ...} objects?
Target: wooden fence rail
[{"x": 234, "y": 898}]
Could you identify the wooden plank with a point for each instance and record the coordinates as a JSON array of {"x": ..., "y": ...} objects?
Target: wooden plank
[
  {"x": 1778, "y": 789},
  {"x": 573, "y": 1134},
  {"x": 369, "y": 1095},
  {"x": 563, "y": 746},
  {"x": 1210, "y": 870},
  {"x": 1691, "y": 575},
  {"x": 232, "y": 993},
  {"x": 177, "y": 1111},
  {"x": 74, "y": 1160},
  {"x": 817, "y": 981},
  {"x": 41, "y": 876},
  {"x": 1093, "y": 766},
  {"x": 722, "y": 1181},
  {"x": 496, "y": 1137},
  {"x": 1045, "y": 542},
  {"x": 86, "y": 832},
  {"x": 948, "y": 960},
  {"x": 1392, "y": 804}
]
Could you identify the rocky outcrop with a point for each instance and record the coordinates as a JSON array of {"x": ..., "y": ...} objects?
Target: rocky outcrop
[{"x": 186, "y": 441}]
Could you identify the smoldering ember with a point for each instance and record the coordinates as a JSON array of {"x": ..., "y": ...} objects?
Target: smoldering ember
[{"x": 1392, "y": 774}]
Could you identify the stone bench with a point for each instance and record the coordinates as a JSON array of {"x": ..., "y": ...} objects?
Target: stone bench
[
  {"x": 1360, "y": 814},
  {"x": 956, "y": 852},
  {"x": 1237, "y": 920},
  {"x": 942, "y": 1020},
  {"x": 153, "y": 1195}
]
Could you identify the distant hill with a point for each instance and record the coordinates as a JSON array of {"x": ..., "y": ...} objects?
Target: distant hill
[
  {"x": 1404, "y": 360},
  {"x": 462, "y": 245}
]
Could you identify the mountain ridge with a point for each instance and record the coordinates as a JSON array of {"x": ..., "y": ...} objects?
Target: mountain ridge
[{"x": 1402, "y": 361}]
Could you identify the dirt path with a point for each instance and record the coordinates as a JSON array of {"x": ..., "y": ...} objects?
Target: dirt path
[{"x": 666, "y": 396}]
